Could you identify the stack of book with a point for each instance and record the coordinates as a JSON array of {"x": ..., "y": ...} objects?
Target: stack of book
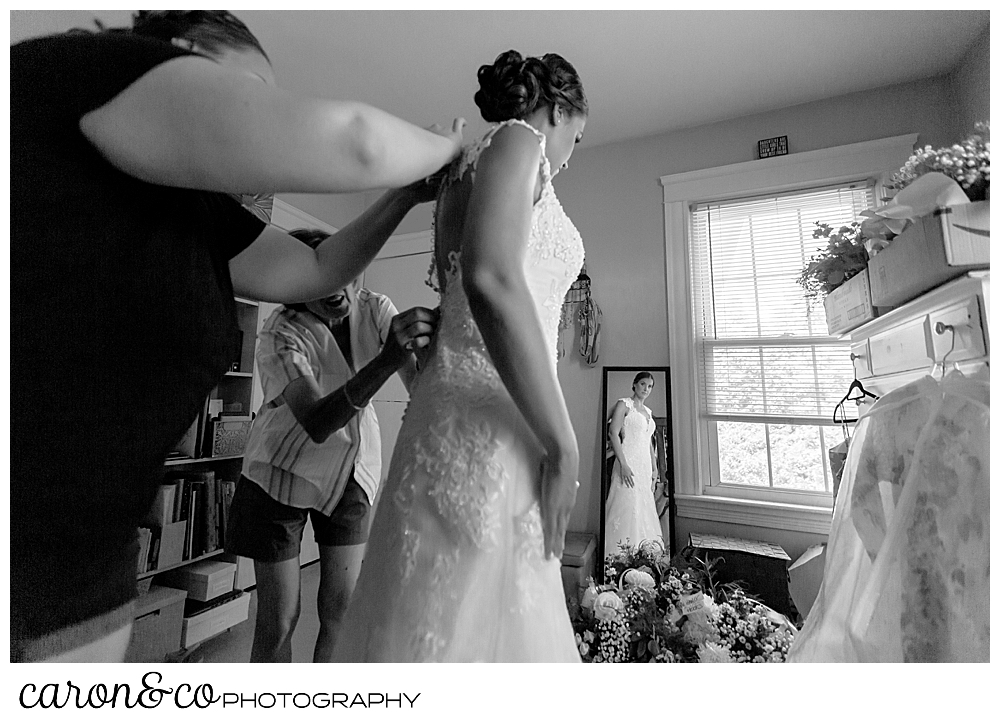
[{"x": 188, "y": 519}]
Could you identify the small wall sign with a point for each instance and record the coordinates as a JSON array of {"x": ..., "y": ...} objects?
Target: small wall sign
[{"x": 772, "y": 147}]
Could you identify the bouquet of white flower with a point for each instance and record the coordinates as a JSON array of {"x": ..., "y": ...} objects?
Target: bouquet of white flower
[{"x": 655, "y": 613}]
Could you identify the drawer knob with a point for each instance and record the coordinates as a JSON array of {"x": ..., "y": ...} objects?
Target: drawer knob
[{"x": 941, "y": 327}]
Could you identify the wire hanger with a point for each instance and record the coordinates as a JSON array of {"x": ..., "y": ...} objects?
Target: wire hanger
[
  {"x": 941, "y": 328},
  {"x": 856, "y": 392}
]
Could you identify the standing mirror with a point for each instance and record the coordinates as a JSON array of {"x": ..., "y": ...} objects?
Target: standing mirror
[{"x": 643, "y": 425}]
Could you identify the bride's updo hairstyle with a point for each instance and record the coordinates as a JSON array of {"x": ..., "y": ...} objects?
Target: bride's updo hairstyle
[{"x": 514, "y": 87}]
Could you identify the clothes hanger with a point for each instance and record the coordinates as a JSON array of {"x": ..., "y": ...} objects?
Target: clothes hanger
[
  {"x": 856, "y": 392},
  {"x": 941, "y": 328}
]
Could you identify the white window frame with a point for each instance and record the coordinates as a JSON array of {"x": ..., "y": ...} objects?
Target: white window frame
[{"x": 874, "y": 160}]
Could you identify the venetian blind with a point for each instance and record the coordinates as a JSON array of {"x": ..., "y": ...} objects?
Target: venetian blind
[{"x": 763, "y": 353}]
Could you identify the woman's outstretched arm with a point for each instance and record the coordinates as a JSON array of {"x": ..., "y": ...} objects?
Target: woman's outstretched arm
[{"x": 193, "y": 123}]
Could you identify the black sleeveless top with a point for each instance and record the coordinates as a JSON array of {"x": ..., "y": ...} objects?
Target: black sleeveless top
[{"x": 122, "y": 321}]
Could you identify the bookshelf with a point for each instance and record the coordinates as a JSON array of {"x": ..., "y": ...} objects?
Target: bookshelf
[
  {"x": 182, "y": 563},
  {"x": 186, "y": 524},
  {"x": 190, "y": 461}
]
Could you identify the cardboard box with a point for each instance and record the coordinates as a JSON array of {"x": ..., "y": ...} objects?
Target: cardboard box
[
  {"x": 215, "y": 620},
  {"x": 577, "y": 562},
  {"x": 760, "y": 567},
  {"x": 157, "y": 630},
  {"x": 931, "y": 251},
  {"x": 849, "y": 305},
  {"x": 203, "y": 580}
]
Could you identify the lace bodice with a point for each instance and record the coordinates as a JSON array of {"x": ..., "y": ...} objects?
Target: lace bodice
[
  {"x": 637, "y": 428},
  {"x": 553, "y": 260}
]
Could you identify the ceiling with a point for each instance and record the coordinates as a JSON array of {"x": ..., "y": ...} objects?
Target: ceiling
[{"x": 645, "y": 72}]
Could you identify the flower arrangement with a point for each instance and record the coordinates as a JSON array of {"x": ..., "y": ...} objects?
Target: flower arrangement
[
  {"x": 846, "y": 255},
  {"x": 850, "y": 247},
  {"x": 967, "y": 163},
  {"x": 658, "y": 610}
]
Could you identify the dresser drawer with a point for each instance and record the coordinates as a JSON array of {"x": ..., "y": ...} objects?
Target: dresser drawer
[
  {"x": 967, "y": 332},
  {"x": 901, "y": 349},
  {"x": 861, "y": 358}
]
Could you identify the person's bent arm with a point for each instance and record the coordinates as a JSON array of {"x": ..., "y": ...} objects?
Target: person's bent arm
[
  {"x": 493, "y": 249},
  {"x": 321, "y": 415},
  {"x": 193, "y": 123},
  {"x": 277, "y": 267}
]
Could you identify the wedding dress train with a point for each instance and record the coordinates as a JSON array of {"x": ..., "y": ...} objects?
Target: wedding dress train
[{"x": 455, "y": 569}]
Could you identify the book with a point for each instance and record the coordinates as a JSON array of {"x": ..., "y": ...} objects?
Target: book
[
  {"x": 210, "y": 519},
  {"x": 152, "y": 559},
  {"x": 179, "y": 485},
  {"x": 191, "y": 508},
  {"x": 185, "y": 503},
  {"x": 205, "y": 425},
  {"x": 142, "y": 564},
  {"x": 161, "y": 512},
  {"x": 227, "y": 488}
]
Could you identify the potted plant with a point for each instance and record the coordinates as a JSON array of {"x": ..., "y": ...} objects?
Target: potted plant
[{"x": 844, "y": 257}]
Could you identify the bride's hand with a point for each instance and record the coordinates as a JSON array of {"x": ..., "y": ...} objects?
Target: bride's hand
[
  {"x": 559, "y": 488},
  {"x": 628, "y": 478}
]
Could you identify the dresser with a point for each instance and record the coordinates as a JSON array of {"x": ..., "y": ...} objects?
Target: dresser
[{"x": 948, "y": 324}]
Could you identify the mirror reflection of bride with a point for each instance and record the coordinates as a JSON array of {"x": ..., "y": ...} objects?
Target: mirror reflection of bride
[{"x": 631, "y": 507}]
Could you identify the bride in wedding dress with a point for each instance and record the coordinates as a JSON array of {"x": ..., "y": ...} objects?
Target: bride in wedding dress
[
  {"x": 463, "y": 559},
  {"x": 631, "y": 507}
]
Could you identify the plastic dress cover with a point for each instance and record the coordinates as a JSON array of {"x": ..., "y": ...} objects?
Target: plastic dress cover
[{"x": 907, "y": 569}]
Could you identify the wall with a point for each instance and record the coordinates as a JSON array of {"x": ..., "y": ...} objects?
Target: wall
[
  {"x": 970, "y": 86},
  {"x": 613, "y": 195},
  {"x": 336, "y": 209}
]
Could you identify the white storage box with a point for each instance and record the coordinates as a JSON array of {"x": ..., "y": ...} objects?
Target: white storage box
[
  {"x": 577, "y": 562},
  {"x": 215, "y": 620},
  {"x": 203, "y": 580}
]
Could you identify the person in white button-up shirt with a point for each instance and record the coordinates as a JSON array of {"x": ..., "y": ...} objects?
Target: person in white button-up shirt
[{"x": 315, "y": 451}]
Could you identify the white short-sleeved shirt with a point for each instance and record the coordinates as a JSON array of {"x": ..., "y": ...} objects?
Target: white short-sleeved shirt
[{"x": 280, "y": 456}]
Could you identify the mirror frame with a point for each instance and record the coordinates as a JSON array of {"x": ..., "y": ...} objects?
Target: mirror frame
[{"x": 664, "y": 443}]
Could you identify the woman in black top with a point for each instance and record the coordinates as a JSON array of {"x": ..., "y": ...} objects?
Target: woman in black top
[{"x": 126, "y": 251}]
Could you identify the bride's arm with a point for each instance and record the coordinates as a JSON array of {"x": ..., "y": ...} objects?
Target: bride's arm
[
  {"x": 617, "y": 419},
  {"x": 495, "y": 240}
]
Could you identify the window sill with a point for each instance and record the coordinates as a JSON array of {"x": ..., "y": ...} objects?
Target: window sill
[{"x": 775, "y": 515}]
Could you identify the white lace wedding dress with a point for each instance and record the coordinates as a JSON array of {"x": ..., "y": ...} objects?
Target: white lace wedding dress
[
  {"x": 455, "y": 568},
  {"x": 630, "y": 512}
]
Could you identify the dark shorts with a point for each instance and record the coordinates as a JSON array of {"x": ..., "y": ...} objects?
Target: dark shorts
[{"x": 266, "y": 530}]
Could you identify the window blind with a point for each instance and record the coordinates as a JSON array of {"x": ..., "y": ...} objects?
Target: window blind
[{"x": 763, "y": 353}]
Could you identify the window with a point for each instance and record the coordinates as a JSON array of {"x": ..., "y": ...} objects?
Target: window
[
  {"x": 768, "y": 373},
  {"x": 749, "y": 485}
]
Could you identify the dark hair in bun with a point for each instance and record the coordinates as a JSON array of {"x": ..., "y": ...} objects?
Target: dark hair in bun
[{"x": 514, "y": 87}]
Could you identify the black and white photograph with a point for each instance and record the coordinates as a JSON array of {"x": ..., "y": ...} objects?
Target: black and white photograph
[{"x": 537, "y": 334}]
